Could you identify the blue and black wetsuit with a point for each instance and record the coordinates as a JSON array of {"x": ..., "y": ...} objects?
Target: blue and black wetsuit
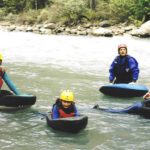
[
  {"x": 140, "y": 108},
  {"x": 124, "y": 69}
]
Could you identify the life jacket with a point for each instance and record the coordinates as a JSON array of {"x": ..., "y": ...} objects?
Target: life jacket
[
  {"x": 2, "y": 72},
  {"x": 63, "y": 113},
  {"x": 123, "y": 70}
]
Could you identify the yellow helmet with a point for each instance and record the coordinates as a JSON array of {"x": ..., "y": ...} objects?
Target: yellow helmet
[
  {"x": 1, "y": 57},
  {"x": 67, "y": 95}
]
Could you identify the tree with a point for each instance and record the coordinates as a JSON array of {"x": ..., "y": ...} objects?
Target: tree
[
  {"x": 91, "y": 4},
  {"x": 141, "y": 10},
  {"x": 37, "y": 4},
  {"x": 1, "y": 4},
  {"x": 74, "y": 10},
  {"x": 16, "y": 6},
  {"x": 13, "y": 6}
]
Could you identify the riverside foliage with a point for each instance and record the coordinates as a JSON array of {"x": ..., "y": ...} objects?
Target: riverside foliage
[{"x": 75, "y": 11}]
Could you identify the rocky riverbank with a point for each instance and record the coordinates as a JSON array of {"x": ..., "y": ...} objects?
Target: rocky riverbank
[{"x": 105, "y": 28}]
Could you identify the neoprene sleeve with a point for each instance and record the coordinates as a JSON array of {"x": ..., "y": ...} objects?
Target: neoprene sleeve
[{"x": 10, "y": 84}]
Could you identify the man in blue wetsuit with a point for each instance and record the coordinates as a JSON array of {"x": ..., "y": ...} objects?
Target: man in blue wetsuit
[
  {"x": 4, "y": 76},
  {"x": 124, "y": 68}
]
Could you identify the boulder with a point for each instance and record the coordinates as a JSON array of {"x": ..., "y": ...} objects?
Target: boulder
[
  {"x": 143, "y": 31},
  {"x": 87, "y": 25},
  {"x": 29, "y": 29},
  {"x": 50, "y": 26},
  {"x": 102, "y": 32},
  {"x": 20, "y": 28},
  {"x": 73, "y": 31},
  {"x": 81, "y": 33},
  {"x": 105, "y": 23},
  {"x": 11, "y": 28}
]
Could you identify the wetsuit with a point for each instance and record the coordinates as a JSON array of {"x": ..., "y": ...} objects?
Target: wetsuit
[
  {"x": 60, "y": 112},
  {"x": 124, "y": 69},
  {"x": 4, "y": 76}
]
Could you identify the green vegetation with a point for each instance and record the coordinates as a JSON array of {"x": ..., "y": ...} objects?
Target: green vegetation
[{"x": 72, "y": 12}]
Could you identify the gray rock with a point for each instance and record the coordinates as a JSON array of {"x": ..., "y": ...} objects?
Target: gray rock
[
  {"x": 11, "y": 28},
  {"x": 102, "y": 32},
  {"x": 73, "y": 31},
  {"x": 29, "y": 29},
  {"x": 87, "y": 25},
  {"x": 49, "y": 26},
  {"x": 20, "y": 28},
  {"x": 81, "y": 33},
  {"x": 127, "y": 29},
  {"x": 105, "y": 23},
  {"x": 144, "y": 30}
]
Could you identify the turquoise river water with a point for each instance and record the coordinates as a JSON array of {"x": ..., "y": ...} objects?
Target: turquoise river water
[{"x": 45, "y": 65}]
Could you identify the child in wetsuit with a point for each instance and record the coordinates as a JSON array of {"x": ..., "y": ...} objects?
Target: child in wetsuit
[{"x": 64, "y": 106}]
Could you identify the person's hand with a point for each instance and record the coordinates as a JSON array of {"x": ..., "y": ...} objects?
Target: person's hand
[
  {"x": 110, "y": 81},
  {"x": 132, "y": 83},
  {"x": 146, "y": 96},
  {"x": 96, "y": 106}
]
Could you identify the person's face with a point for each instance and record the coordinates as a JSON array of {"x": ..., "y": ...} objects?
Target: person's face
[
  {"x": 0, "y": 62},
  {"x": 66, "y": 104},
  {"x": 122, "y": 51}
]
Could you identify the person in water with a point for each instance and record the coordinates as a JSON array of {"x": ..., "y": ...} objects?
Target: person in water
[
  {"x": 124, "y": 68},
  {"x": 64, "y": 106},
  {"x": 4, "y": 76}
]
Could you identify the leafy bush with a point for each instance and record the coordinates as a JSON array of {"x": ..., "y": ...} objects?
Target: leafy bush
[
  {"x": 120, "y": 10},
  {"x": 2, "y": 13},
  {"x": 101, "y": 12},
  {"x": 13, "y": 6},
  {"x": 43, "y": 16},
  {"x": 74, "y": 10},
  {"x": 29, "y": 17},
  {"x": 130, "y": 10},
  {"x": 141, "y": 10}
]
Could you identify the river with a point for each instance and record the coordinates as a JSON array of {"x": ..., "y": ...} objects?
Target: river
[{"x": 45, "y": 65}]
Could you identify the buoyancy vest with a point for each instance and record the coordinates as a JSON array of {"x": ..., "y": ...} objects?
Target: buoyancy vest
[
  {"x": 63, "y": 113},
  {"x": 121, "y": 67},
  {"x": 2, "y": 72}
]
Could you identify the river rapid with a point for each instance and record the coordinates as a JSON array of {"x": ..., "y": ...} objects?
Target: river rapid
[{"x": 45, "y": 65}]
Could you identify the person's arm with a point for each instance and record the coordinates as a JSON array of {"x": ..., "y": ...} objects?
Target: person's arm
[
  {"x": 134, "y": 69},
  {"x": 131, "y": 109},
  {"x": 55, "y": 113},
  {"x": 10, "y": 84},
  {"x": 76, "y": 112},
  {"x": 111, "y": 72}
]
